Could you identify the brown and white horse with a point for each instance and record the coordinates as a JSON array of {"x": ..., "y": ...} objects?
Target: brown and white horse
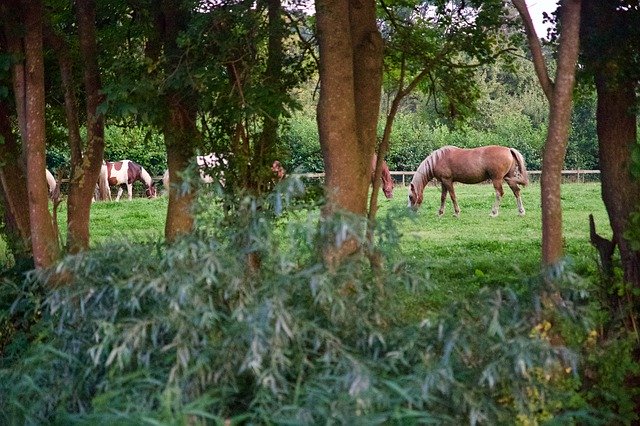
[
  {"x": 204, "y": 163},
  {"x": 125, "y": 173},
  {"x": 450, "y": 164},
  {"x": 51, "y": 184},
  {"x": 387, "y": 180}
]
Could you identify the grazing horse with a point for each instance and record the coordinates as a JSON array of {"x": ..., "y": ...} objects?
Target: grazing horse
[
  {"x": 51, "y": 183},
  {"x": 387, "y": 180},
  {"x": 204, "y": 162},
  {"x": 125, "y": 173},
  {"x": 450, "y": 164}
]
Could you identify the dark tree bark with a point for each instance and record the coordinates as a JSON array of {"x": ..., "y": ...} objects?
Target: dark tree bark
[
  {"x": 611, "y": 51},
  {"x": 85, "y": 173},
  {"x": 263, "y": 154},
  {"x": 350, "y": 79},
  {"x": 43, "y": 236},
  {"x": 617, "y": 135}
]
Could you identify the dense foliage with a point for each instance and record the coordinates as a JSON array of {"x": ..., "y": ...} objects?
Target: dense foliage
[{"x": 149, "y": 333}]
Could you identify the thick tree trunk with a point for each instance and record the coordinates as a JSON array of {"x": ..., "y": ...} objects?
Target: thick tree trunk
[
  {"x": 350, "y": 76},
  {"x": 617, "y": 136},
  {"x": 85, "y": 174},
  {"x": 43, "y": 236},
  {"x": 556, "y": 144}
]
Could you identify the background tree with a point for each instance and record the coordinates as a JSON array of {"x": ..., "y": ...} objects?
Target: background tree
[
  {"x": 85, "y": 166},
  {"x": 560, "y": 96},
  {"x": 24, "y": 37}
]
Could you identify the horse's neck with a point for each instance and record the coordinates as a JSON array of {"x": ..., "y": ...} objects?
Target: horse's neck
[{"x": 426, "y": 172}]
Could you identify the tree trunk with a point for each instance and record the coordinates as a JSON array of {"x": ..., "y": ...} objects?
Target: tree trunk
[
  {"x": 61, "y": 48},
  {"x": 179, "y": 129},
  {"x": 263, "y": 155},
  {"x": 85, "y": 174},
  {"x": 617, "y": 135},
  {"x": 560, "y": 96},
  {"x": 559, "y": 121},
  {"x": 350, "y": 79},
  {"x": 13, "y": 189},
  {"x": 43, "y": 236},
  {"x": 179, "y": 134}
]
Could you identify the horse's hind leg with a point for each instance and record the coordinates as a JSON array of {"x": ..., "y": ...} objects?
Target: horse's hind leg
[
  {"x": 120, "y": 190},
  {"x": 497, "y": 185},
  {"x": 516, "y": 192}
]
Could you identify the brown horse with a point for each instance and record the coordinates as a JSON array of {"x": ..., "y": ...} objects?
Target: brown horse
[
  {"x": 387, "y": 180},
  {"x": 450, "y": 164}
]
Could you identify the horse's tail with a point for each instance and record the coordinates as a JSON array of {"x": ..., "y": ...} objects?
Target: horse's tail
[
  {"x": 104, "y": 191},
  {"x": 524, "y": 176},
  {"x": 165, "y": 180}
]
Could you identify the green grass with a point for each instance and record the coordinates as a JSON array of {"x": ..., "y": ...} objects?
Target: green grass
[
  {"x": 475, "y": 250},
  {"x": 140, "y": 219}
]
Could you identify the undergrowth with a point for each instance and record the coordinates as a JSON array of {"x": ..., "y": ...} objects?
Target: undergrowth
[{"x": 186, "y": 334}]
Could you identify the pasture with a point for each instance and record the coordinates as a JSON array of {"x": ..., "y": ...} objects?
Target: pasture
[{"x": 458, "y": 255}]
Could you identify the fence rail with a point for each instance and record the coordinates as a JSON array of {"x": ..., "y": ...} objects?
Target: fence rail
[{"x": 401, "y": 176}]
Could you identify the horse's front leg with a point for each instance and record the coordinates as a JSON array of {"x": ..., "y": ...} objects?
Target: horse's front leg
[
  {"x": 443, "y": 199},
  {"x": 454, "y": 200},
  {"x": 497, "y": 185},
  {"x": 130, "y": 191}
]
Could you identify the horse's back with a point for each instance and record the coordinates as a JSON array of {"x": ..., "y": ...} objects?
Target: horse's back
[{"x": 475, "y": 165}]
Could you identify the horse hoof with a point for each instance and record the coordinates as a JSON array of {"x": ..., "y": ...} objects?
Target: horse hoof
[{"x": 493, "y": 214}]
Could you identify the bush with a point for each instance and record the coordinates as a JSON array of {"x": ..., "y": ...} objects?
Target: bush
[
  {"x": 141, "y": 145},
  {"x": 189, "y": 334}
]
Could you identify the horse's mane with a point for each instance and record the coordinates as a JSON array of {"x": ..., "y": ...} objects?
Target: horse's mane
[
  {"x": 425, "y": 170},
  {"x": 145, "y": 176}
]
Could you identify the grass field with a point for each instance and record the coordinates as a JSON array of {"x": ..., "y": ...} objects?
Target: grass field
[
  {"x": 461, "y": 255},
  {"x": 475, "y": 250}
]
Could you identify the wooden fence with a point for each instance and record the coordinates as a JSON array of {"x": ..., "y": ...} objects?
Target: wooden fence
[{"x": 402, "y": 177}]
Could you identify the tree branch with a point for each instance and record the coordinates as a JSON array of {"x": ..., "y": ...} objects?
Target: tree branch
[{"x": 536, "y": 49}]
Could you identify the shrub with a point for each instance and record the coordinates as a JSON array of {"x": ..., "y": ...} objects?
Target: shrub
[{"x": 188, "y": 334}]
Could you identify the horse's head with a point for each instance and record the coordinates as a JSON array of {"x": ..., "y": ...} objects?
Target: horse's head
[
  {"x": 415, "y": 197},
  {"x": 387, "y": 186},
  {"x": 151, "y": 191}
]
